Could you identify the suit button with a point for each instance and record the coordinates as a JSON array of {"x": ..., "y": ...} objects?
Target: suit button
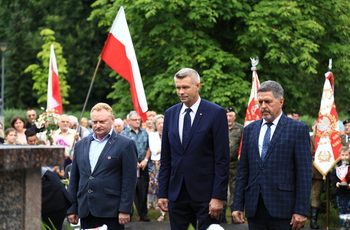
[
  {"x": 91, "y": 177},
  {"x": 90, "y": 191}
]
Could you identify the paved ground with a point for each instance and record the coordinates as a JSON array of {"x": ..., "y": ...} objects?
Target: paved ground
[{"x": 154, "y": 225}]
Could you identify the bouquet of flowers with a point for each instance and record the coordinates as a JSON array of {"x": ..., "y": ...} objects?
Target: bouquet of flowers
[{"x": 49, "y": 119}]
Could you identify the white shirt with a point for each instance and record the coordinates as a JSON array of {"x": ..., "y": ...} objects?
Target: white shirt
[
  {"x": 68, "y": 137},
  {"x": 194, "y": 108},
  {"x": 155, "y": 143},
  {"x": 263, "y": 131}
]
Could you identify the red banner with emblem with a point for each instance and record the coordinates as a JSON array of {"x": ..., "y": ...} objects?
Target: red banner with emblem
[{"x": 327, "y": 141}]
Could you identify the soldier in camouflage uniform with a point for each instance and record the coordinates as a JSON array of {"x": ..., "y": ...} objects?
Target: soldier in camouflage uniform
[{"x": 235, "y": 134}]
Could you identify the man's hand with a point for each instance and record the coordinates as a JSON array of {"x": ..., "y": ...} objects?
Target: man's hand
[
  {"x": 123, "y": 218},
  {"x": 76, "y": 136},
  {"x": 73, "y": 218},
  {"x": 215, "y": 208},
  {"x": 297, "y": 221},
  {"x": 163, "y": 204},
  {"x": 238, "y": 216},
  {"x": 142, "y": 165}
]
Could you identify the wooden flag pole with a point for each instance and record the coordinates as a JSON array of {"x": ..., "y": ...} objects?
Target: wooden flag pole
[
  {"x": 327, "y": 202},
  {"x": 92, "y": 83},
  {"x": 327, "y": 177}
]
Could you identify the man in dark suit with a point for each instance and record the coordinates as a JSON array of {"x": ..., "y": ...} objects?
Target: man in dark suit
[
  {"x": 55, "y": 199},
  {"x": 195, "y": 157},
  {"x": 274, "y": 175},
  {"x": 31, "y": 116},
  {"x": 103, "y": 175}
]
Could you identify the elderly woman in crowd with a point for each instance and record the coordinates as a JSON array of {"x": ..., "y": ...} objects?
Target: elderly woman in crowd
[{"x": 155, "y": 137}]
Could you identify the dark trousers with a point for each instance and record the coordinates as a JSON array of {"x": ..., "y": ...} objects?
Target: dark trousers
[
  {"x": 185, "y": 211},
  {"x": 55, "y": 219},
  {"x": 93, "y": 222},
  {"x": 141, "y": 192},
  {"x": 262, "y": 220}
]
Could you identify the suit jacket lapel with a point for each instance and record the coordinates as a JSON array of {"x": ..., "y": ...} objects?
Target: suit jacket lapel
[
  {"x": 277, "y": 134},
  {"x": 196, "y": 121},
  {"x": 255, "y": 137},
  {"x": 86, "y": 150},
  {"x": 175, "y": 121}
]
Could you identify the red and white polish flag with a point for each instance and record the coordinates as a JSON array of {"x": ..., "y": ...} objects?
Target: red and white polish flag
[
  {"x": 119, "y": 54},
  {"x": 327, "y": 141},
  {"x": 54, "y": 100},
  {"x": 253, "y": 111}
]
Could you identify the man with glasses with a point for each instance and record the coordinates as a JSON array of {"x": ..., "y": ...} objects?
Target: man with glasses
[
  {"x": 31, "y": 116},
  {"x": 140, "y": 136}
]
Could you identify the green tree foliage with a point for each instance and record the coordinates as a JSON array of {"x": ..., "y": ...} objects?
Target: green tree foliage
[
  {"x": 40, "y": 72},
  {"x": 293, "y": 39},
  {"x": 82, "y": 41}
]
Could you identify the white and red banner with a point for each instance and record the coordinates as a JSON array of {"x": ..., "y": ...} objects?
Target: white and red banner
[
  {"x": 253, "y": 111},
  {"x": 327, "y": 141},
  {"x": 119, "y": 54},
  {"x": 54, "y": 99}
]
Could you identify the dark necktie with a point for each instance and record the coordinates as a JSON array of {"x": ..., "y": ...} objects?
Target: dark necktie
[
  {"x": 266, "y": 141},
  {"x": 186, "y": 128}
]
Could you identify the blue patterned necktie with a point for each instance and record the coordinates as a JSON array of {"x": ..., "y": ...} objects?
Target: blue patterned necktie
[
  {"x": 266, "y": 141},
  {"x": 186, "y": 128}
]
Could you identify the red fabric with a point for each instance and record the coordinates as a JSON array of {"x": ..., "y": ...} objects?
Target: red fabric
[
  {"x": 56, "y": 91},
  {"x": 114, "y": 54}
]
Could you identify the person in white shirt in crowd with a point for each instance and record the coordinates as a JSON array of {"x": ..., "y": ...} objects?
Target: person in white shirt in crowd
[
  {"x": 155, "y": 142},
  {"x": 65, "y": 136}
]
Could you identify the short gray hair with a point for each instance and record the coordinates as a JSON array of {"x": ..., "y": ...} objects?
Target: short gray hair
[
  {"x": 73, "y": 120},
  {"x": 188, "y": 72},
  {"x": 118, "y": 121},
  {"x": 130, "y": 114},
  {"x": 272, "y": 86}
]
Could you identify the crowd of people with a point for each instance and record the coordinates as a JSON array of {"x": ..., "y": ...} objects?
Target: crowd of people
[{"x": 194, "y": 161}]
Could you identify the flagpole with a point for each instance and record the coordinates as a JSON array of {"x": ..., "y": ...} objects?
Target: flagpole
[
  {"x": 327, "y": 204},
  {"x": 91, "y": 84},
  {"x": 87, "y": 99},
  {"x": 327, "y": 178}
]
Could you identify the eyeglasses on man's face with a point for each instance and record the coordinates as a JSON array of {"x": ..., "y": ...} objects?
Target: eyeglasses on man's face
[{"x": 135, "y": 119}]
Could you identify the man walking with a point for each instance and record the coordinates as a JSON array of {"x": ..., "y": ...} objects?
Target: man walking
[
  {"x": 273, "y": 181},
  {"x": 194, "y": 168},
  {"x": 103, "y": 175}
]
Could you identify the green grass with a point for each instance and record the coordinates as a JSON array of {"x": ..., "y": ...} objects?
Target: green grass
[{"x": 152, "y": 214}]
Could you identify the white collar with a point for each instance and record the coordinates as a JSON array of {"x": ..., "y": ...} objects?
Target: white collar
[
  {"x": 275, "y": 122},
  {"x": 194, "y": 107}
]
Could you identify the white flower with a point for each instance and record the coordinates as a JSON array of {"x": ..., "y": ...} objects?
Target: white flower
[{"x": 215, "y": 227}]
